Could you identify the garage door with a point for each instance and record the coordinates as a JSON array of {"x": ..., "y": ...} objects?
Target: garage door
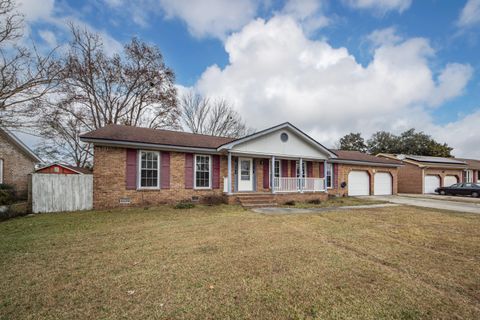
[
  {"x": 358, "y": 183},
  {"x": 431, "y": 183},
  {"x": 382, "y": 184},
  {"x": 449, "y": 180}
]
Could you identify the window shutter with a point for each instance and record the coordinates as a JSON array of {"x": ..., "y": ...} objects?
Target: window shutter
[
  {"x": 266, "y": 174},
  {"x": 322, "y": 170},
  {"x": 335, "y": 175},
  {"x": 216, "y": 172},
  {"x": 285, "y": 168},
  {"x": 309, "y": 169},
  {"x": 475, "y": 176},
  {"x": 188, "y": 171},
  {"x": 131, "y": 170},
  {"x": 464, "y": 176},
  {"x": 293, "y": 168},
  {"x": 165, "y": 170}
]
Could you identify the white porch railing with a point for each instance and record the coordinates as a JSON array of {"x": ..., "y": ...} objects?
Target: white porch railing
[{"x": 298, "y": 184}]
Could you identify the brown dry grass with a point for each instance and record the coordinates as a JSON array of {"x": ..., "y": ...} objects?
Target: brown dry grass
[{"x": 227, "y": 263}]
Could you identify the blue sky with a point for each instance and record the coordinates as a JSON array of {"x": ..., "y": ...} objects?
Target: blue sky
[{"x": 330, "y": 67}]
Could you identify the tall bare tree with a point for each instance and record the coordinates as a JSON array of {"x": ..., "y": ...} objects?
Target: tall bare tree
[
  {"x": 25, "y": 75},
  {"x": 133, "y": 87},
  {"x": 214, "y": 117}
]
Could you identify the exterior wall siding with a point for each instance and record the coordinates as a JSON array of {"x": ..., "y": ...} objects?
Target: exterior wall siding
[
  {"x": 410, "y": 179},
  {"x": 110, "y": 183},
  {"x": 16, "y": 166}
]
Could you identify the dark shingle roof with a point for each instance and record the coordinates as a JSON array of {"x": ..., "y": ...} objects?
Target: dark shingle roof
[
  {"x": 156, "y": 136},
  {"x": 471, "y": 163},
  {"x": 363, "y": 157}
]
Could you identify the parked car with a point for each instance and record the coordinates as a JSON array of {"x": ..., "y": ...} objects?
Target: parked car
[{"x": 463, "y": 189}]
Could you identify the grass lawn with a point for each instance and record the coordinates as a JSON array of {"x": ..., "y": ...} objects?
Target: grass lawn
[
  {"x": 335, "y": 202},
  {"x": 227, "y": 263}
]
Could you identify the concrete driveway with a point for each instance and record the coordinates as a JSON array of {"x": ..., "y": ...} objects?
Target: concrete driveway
[{"x": 428, "y": 202}]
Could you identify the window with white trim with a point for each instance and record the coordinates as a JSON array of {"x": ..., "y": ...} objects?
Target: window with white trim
[
  {"x": 469, "y": 176},
  {"x": 203, "y": 171},
  {"x": 149, "y": 177},
  {"x": 329, "y": 175}
]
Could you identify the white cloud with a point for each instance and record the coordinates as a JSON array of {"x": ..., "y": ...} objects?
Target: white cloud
[
  {"x": 49, "y": 37},
  {"x": 308, "y": 12},
  {"x": 384, "y": 36},
  {"x": 470, "y": 14},
  {"x": 35, "y": 10},
  {"x": 381, "y": 6},
  {"x": 276, "y": 74},
  {"x": 211, "y": 18}
]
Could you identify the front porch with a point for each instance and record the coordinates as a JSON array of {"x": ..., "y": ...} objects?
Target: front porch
[{"x": 254, "y": 175}]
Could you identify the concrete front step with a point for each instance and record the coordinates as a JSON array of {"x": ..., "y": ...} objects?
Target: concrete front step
[{"x": 256, "y": 200}]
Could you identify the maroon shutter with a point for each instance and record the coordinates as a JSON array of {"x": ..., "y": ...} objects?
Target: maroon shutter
[
  {"x": 335, "y": 175},
  {"x": 309, "y": 169},
  {"x": 131, "y": 170},
  {"x": 475, "y": 176},
  {"x": 266, "y": 174},
  {"x": 293, "y": 169},
  {"x": 284, "y": 168},
  {"x": 216, "y": 172},
  {"x": 165, "y": 170},
  {"x": 188, "y": 171},
  {"x": 322, "y": 170},
  {"x": 464, "y": 177}
]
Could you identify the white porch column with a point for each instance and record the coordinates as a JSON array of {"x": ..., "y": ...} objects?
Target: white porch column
[
  {"x": 272, "y": 171},
  {"x": 229, "y": 178},
  {"x": 300, "y": 169},
  {"x": 325, "y": 175}
]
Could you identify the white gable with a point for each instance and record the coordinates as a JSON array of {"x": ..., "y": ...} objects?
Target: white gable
[{"x": 295, "y": 146}]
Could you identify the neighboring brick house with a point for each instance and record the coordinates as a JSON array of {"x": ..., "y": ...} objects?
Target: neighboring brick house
[
  {"x": 16, "y": 162},
  {"x": 421, "y": 174},
  {"x": 140, "y": 166}
]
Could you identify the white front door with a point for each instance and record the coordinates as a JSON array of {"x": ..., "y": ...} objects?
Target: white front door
[{"x": 245, "y": 174}]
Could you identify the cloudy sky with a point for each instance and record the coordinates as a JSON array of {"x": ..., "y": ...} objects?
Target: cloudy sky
[{"x": 329, "y": 67}]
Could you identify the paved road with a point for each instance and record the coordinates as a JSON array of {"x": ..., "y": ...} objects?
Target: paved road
[{"x": 428, "y": 202}]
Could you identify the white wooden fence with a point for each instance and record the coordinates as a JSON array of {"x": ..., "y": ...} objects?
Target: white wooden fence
[{"x": 61, "y": 192}]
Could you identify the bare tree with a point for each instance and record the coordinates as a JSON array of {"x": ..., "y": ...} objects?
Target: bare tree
[
  {"x": 25, "y": 75},
  {"x": 133, "y": 87},
  {"x": 214, "y": 117}
]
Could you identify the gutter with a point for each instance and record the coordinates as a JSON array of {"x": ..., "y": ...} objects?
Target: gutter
[
  {"x": 365, "y": 163},
  {"x": 152, "y": 146}
]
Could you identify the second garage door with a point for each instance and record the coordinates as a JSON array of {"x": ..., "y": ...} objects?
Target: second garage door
[
  {"x": 449, "y": 180},
  {"x": 358, "y": 183},
  {"x": 431, "y": 183},
  {"x": 382, "y": 184}
]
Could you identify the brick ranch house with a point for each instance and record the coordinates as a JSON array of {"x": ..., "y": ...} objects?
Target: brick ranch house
[
  {"x": 140, "y": 166},
  {"x": 421, "y": 174},
  {"x": 17, "y": 161}
]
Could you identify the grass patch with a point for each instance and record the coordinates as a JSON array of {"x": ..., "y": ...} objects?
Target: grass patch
[
  {"x": 335, "y": 202},
  {"x": 227, "y": 263}
]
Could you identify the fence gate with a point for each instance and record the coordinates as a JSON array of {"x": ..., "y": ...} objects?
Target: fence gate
[{"x": 61, "y": 192}]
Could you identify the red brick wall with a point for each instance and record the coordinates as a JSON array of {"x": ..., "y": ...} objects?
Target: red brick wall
[
  {"x": 410, "y": 179},
  {"x": 344, "y": 170},
  {"x": 16, "y": 165}
]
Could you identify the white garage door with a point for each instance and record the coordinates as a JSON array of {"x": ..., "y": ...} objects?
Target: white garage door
[
  {"x": 449, "y": 180},
  {"x": 382, "y": 184},
  {"x": 358, "y": 183},
  {"x": 431, "y": 183}
]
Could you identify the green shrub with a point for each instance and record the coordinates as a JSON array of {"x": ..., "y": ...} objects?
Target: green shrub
[
  {"x": 7, "y": 194},
  {"x": 184, "y": 205},
  {"x": 14, "y": 210},
  {"x": 290, "y": 203},
  {"x": 315, "y": 201}
]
